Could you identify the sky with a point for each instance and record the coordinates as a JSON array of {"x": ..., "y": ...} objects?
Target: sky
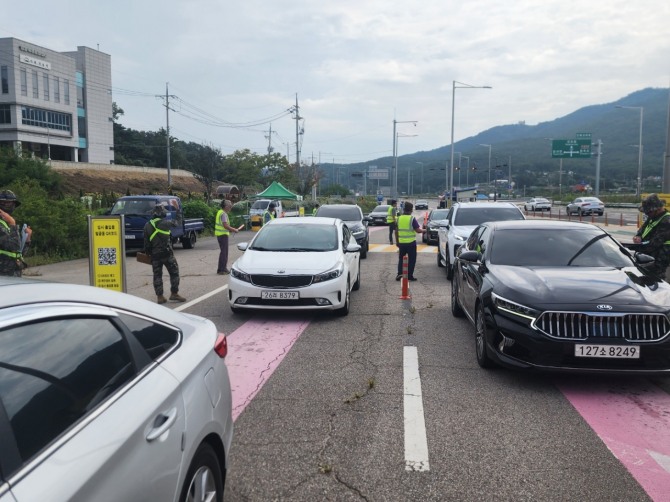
[{"x": 234, "y": 69}]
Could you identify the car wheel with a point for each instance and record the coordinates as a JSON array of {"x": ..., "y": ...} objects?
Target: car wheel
[
  {"x": 456, "y": 309},
  {"x": 483, "y": 358},
  {"x": 357, "y": 284},
  {"x": 344, "y": 310},
  {"x": 204, "y": 480},
  {"x": 364, "y": 249},
  {"x": 450, "y": 269},
  {"x": 439, "y": 257},
  {"x": 424, "y": 239}
]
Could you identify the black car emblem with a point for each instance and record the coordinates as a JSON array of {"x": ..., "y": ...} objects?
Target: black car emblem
[
  {"x": 281, "y": 271},
  {"x": 604, "y": 307}
]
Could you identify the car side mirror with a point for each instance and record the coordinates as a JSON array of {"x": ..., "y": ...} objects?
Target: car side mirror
[
  {"x": 470, "y": 256},
  {"x": 644, "y": 259},
  {"x": 352, "y": 248}
]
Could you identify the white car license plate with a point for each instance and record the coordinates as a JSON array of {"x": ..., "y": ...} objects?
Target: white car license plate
[
  {"x": 130, "y": 236},
  {"x": 608, "y": 351},
  {"x": 280, "y": 295}
]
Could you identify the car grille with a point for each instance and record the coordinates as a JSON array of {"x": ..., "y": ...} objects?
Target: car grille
[
  {"x": 581, "y": 325},
  {"x": 281, "y": 281}
]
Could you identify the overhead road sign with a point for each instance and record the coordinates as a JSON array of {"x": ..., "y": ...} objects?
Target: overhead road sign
[{"x": 571, "y": 148}]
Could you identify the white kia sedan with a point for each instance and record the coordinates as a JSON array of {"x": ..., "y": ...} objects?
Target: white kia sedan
[
  {"x": 105, "y": 396},
  {"x": 297, "y": 264}
]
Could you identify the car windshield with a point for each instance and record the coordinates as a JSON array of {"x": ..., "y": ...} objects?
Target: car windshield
[
  {"x": 298, "y": 237},
  {"x": 344, "y": 213},
  {"x": 478, "y": 215},
  {"x": 380, "y": 209},
  {"x": 260, "y": 204},
  {"x": 134, "y": 207},
  {"x": 440, "y": 214},
  {"x": 553, "y": 247}
]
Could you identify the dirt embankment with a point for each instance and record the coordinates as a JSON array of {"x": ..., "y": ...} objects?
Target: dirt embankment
[{"x": 90, "y": 181}]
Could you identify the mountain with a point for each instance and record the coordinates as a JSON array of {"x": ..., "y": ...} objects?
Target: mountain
[{"x": 529, "y": 149}]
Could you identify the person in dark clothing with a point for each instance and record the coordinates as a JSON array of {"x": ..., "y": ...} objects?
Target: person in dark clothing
[
  {"x": 654, "y": 235},
  {"x": 158, "y": 244},
  {"x": 391, "y": 219},
  {"x": 13, "y": 241},
  {"x": 405, "y": 237}
]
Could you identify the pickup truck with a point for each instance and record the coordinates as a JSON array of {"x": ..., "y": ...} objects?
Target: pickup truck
[{"x": 137, "y": 211}]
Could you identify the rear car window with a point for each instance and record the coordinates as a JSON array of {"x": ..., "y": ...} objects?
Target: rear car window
[
  {"x": 343, "y": 213},
  {"x": 478, "y": 215}
]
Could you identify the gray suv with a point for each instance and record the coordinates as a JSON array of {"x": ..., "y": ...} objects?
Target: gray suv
[{"x": 352, "y": 216}]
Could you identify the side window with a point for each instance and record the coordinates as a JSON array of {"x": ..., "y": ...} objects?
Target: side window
[
  {"x": 53, "y": 373},
  {"x": 484, "y": 234},
  {"x": 347, "y": 236},
  {"x": 450, "y": 215},
  {"x": 156, "y": 339}
]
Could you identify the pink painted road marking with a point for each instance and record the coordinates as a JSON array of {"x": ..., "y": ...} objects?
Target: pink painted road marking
[
  {"x": 255, "y": 350},
  {"x": 633, "y": 420}
]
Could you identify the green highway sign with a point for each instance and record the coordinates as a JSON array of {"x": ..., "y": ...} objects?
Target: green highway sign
[
  {"x": 571, "y": 148},
  {"x": 583, "y": 135}
]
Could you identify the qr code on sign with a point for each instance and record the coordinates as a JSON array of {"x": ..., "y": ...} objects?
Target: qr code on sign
[{"x": 106, "y": 256}]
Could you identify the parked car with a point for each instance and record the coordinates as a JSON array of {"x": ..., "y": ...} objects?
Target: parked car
[
  {"x": 586, "y": 205},
  {"x": 462, "y": 219},
  {"x": 421, "y": 204},
  {"x": 352, "y": 215},
  {"x": 561, "y": 295},
  {"x": 537, "y": 204},
  {"x": 105, "y": 396},
  {"x": 297, "y": 264},
  {"x": 432, "y": 225},
  {"x": 378, "y": 215}
]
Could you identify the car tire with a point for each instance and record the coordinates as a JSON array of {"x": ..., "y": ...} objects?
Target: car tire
[
  {"x": 483, "y": 358},
  {"x": 456, "y": 309},
  {"x": 357, "y": 284},
  {"x": 424, "y": 239},
  {"x": 450, "y": 268},
  {"x": 203, "y": 473},
  {"x": 344, "y": 310},
  {"x": 364, "y": 249},
  {"x": 439, "y": 258}
]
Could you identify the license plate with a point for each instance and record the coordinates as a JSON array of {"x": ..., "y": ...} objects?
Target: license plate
[
  {"x": 130, "y": 236},
  {"x": 608, "y": 351},
  {"x": 280, "y": 295}
]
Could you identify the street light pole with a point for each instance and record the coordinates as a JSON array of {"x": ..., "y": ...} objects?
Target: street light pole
[
  {"x": 639, "y": 146},
  {"x": 395, "y": 154},
  {"x": 421, "y": 176},
  {"x": 454, "y": 86},
  {"x": 482, "y": 144}
]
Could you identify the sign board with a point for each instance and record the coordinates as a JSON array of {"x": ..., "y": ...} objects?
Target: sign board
[
  {"x": 583, "y": 135},
  {"x": 378, "y": 174},
  {"x": 571, "y": 148},
  {"x": 107, "y": 252}
]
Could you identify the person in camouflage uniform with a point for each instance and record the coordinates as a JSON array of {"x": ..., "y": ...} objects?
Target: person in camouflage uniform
[
  {"x": 654, "y": 235},
  {"x": 158, "y": 244},
  {"x": 11, "y": 252}
]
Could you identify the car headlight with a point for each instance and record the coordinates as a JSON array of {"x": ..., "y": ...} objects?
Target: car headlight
[
  {"x": 514, "y": 308},
  {"x": 330, "y": 275},
  {"x": 238, "y": 274}
]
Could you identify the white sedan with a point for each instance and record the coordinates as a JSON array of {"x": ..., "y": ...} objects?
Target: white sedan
[
  {"x": 105, "y": 396},
  {"x": 297, "y": 264},
  {"x": 537, "y": 204}
]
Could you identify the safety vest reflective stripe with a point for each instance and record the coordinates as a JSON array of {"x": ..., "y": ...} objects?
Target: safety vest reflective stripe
[
  {"x": 157, "y": 230},
  {"x": 11, "y": 254},
  {"x": 406, "y": 233},
  {"x": 219, "y": 229},
  {"x": 653, "y": 224},
  {"x": 390, "y": 215}
]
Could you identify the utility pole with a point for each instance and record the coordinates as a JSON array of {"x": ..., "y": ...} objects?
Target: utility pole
[
  {"x": 599, "y": 145},
  {"x": 269, "y": 138},
  {"x": 167, "y": 130},
  {"x": 297, "y": 132}
]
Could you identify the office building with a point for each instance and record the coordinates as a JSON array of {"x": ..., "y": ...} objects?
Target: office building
[{"x": 56, "y": 105}]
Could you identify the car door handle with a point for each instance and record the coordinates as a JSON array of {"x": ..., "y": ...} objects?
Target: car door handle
[{"x": 161, "y": 424}]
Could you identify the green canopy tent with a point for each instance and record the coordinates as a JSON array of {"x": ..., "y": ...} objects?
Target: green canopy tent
[{"x": 277, "y": 191}]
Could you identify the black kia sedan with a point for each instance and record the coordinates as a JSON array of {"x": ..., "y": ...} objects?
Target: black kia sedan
[{"x": 561, "y": 295}]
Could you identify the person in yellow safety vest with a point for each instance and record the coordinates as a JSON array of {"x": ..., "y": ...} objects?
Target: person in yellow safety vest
[
  {"x": 391, "y": 219},
  {"x": 222, "y": 230},
  {"x": 13, "y": 241},
  {"x": 158, "y": 244},
  {"x": 270, "y": 214},
  {"x": 405, "y": 236},
  {"x": 316, "y": 208},
  {"x": 654, "y": 235}
]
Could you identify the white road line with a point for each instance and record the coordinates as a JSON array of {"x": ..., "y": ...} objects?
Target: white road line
[
  {"x": 416, "y": 444},
  {"x": 201, "y": 298}
]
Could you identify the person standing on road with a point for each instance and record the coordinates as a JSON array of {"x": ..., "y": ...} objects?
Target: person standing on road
[
  {"x": 12, "y": 242},
  {"x": 654, "y": 234},
  {"x": 391, "y": 219},
  {"x": 316, "y": 208},
  {"x": 270, "y": 214},
  {"x": 158, "y": 244},
  {"x": 222, "y": 230},
  {"x": 405, "y": 236}
]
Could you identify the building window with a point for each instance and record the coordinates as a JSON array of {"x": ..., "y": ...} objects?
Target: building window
[
  {"x": 24, "y": 82},
  {"x": 36, "y": 85},
  {"x": 46, "y": 86},
  {"x": 66, "y": 91},
  {"x": 57, "y": 89},
  {"x": 5, "y": 79},
  {"x": 47, "y": 119},
  {"x": 5, "y": 114}
]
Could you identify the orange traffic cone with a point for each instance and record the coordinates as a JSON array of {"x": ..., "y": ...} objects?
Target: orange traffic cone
[{"x": 405, "y": 278}]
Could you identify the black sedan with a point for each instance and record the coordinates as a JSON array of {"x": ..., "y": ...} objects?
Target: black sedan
[
  {"x": 435, "y": 216},
  {"x": 560, "y": 295}
]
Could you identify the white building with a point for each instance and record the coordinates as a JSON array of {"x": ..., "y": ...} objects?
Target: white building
[{"x": 56, "y": 105}]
